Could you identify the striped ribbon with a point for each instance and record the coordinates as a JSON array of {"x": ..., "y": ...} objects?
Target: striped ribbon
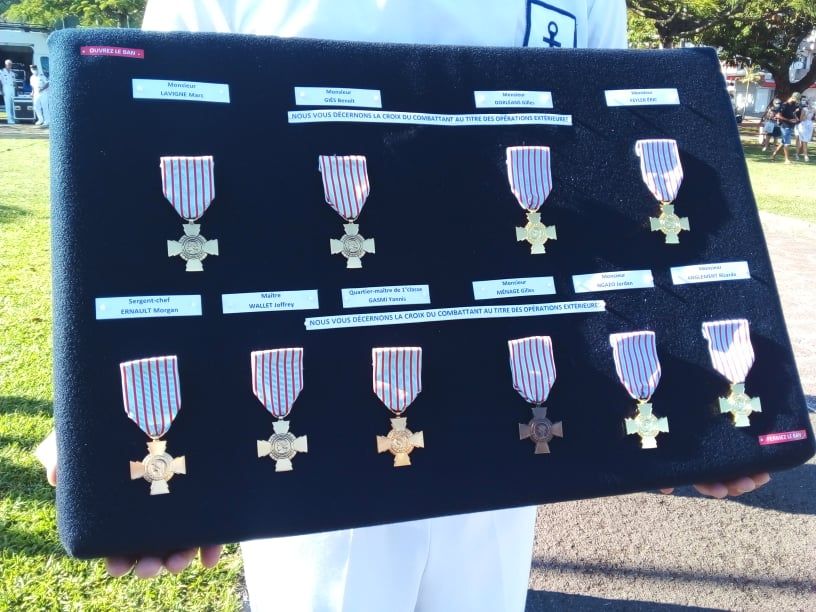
[
  {"x": 636, "y": 362},
  {"x": 277, "y": 378},
  {"x": 533, "y": 367},
  {"x": 729, "y": 343},
  {"x": 528, "y": 169},
  {"x": 151, "y": 393},
  {"x": 397, "y": 376},
  {"x": 345, "y": 183},
  {"x": 188, "y": 184},
  {"x": 660, "y": 167}
]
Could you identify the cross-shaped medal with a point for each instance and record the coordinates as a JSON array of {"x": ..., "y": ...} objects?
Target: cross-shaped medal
[
  {"x": 158, "y": 467},
  {"x": 192, "y": 247},
  {"x": 282, "y": 446},
  {"x": 536, "y": 233},
  {"x": 669, "y": 223},
  {"x": 740, "y": 405},
  {"x": 540, "y": 430},
  {"x": 400, "y": 441},
  {"x": 352, "y": 245},
  {"x": 646, "y": 425}
]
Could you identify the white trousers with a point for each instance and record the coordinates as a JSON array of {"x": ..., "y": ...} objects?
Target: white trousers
[
  {"x": 42, "y": 109},
  {"x": 468, "y": 563}
]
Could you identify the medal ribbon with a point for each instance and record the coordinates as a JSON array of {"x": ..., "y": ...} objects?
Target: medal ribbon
[
  {"x": 528, "y": 169},
  {"x": 188, "y": 184},
  {"x": 636, "y": 362},
  {"x": 729, "y": 344},
  {"x": 533, "y": 367},
  {"x": 277, "y": 379},
  {"x": 345, "y": 183},
  {"x": 660, "y": 167},
  {"x": 151, "y": 393},
  {"x": 397, "y": 376}
]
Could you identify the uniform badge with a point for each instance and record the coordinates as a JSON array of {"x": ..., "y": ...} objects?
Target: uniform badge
[
  {"x": 530, "y": 176},
  {"x": 662, "y": 172},
  {"x": 550, "y": 26}
]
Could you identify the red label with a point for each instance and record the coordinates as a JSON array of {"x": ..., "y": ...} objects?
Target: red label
[
  {"x": 785, "y": 436},
  {"x": 113, "y": 52}
]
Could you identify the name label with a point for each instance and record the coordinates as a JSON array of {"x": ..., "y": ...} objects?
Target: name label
[
  {"x": 456, "y": 313},
  {"x": 642, "y": 97},
  {"x": 337, "y": 96},
  {"x": 269, "y": 301},
  {"x": 613, "y": 281},
  {"x": 711, "y": 273},
  {"x": 513, "y": 99},
  {"x": 113, "y": 52},
  {"x": 184, "y": 91},
  {"x": 513, "y": 287},
  {"x": 406, "y": 118},
  {"x": 782, "y": 437},
  {"x": 363, "y": 297},
  {"x": 148, "y": 306}
]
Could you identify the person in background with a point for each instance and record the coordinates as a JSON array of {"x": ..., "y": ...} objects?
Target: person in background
[
  {"x": 787, "y": 118},
  {"x": 39, "y": 93},
  {"x": 7, "y": 82},
  {"x": 769, "y": 126},
  {"x": 804, "y": 129}
]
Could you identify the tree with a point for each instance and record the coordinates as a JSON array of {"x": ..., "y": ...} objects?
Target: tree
[
  {"x": 752, "y": 75},
  {"x": 769, "y": 32},
  {"x": 122, "y": 13},
  {"x": 673, "y": 20}
]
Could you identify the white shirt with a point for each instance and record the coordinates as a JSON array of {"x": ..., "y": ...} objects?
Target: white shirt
[
  {"x": 35, "y": 85},
  {"x": 508, "y": 23},
  {"x": 7, "y": 79}
]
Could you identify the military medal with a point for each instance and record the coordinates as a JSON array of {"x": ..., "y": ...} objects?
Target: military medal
[
  {"x": 277, "y": 380},
  {"x": 732, "y": 354},
  {"x": 638, "y": 369},
  {"x": 533, "y": 369},
  {"x": 663, "y": 174},
  {"x": 345, "y": 184},
  {"x": 397, "y": 382},
  {"x": 188, "y": 184},
  {"x": 528, "y": 169},
  {"x": 152, "y": 398}
]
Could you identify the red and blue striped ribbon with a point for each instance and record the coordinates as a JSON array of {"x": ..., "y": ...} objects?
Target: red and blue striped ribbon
[
  {"x": 277, "y": 378},
  {"x": 151, "y": 393},
  {"x": 530, "y": 175},
  {"x": 397, "y": 376},
  {"x": 533, "y": 367},
  {"x": 188, "y": 184},
  {"x": 636, "y": 362},
  {"x": 345, "y": 183},
  {"x": 660, "y": 167},
  {"x": 729, "y": 344}
]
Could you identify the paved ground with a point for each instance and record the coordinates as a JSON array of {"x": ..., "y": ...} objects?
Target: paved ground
[
  {"x": 22, "y": 130},
  {"x": 649, "y": 552}
]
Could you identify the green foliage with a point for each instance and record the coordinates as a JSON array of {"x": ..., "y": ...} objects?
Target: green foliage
[
  {"x": 123, "y": 13},
  {"x": 674, "y": 20}
]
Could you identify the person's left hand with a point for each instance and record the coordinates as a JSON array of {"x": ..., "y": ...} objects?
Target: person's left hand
[{"x": 733, "y": 488}]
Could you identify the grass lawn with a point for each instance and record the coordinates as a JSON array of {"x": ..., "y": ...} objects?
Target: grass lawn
[{"x": 36, "y": 574}]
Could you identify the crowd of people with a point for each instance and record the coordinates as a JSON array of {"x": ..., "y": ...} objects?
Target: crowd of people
[
  {"x": 786, "y": 123},
  {"x": 38, "y": 84}
]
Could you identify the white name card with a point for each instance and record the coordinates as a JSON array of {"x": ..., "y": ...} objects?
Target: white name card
[
  {"x": 513, "y": 287},
  {"x": 337, "y": 96},
  {"x": 513, "y": 99},
  {"x": 269, "y": 301},
  {"x": 642, "y": 97},
  {"x": 613, "y": 281},
  {"x": 395, "y": 295},
  {"x": 184, "y": 91},
  {"x": 148, "y": 306},
  {"x": 711, "y": 273}
]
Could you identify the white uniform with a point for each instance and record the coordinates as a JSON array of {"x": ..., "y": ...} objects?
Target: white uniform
[
  {"x": 7, "y": 82},
  {"x": 466, "y": 563},
  {"x": 39, "y": 93}
]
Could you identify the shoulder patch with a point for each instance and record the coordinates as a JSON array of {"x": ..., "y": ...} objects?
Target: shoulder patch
[{"x": 550, "y": 26}]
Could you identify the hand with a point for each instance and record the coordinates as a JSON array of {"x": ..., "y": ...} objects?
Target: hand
[
  {"x": 143, "y": 567},
  {"x": 734, "y": 488}
]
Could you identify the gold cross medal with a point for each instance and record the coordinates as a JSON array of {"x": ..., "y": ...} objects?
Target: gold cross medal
[
  {"x": 346, "y": 188},
  {"x": 532, "y": 367},
  {"x": 732, "y": 354},
  {"x": 638, "y": 368},
  {"x": 662, "y": 172},
  {"x": 152, "y": 397},
  {"x": 530, "y": 176},
  {"x": 397, "y": 382},
  {"x": 277, "y": 380},
  {"x": 188, "y": 184}
]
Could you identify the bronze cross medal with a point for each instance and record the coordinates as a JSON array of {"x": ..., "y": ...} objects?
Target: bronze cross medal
[
  {"x": 540, "y": 430},
  {"x": 352, "y": 245},
  {"x": 158, "y": 467},
  {"x": 669, "y": 223},
  {"x": 646, "y": 425},
  {"x": 282, "y": 446},
  {"x": 192, "y": 247},
  {"x": 400, "y": 441},
  {"x": 740, "y": 405},
  {"x": 536, "y": 233}
]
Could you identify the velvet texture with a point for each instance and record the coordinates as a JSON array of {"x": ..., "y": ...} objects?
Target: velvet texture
[{"x": 442, "y": 214}]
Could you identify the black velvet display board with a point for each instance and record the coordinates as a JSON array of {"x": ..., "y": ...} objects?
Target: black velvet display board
[{"x": 442, "y": 214}]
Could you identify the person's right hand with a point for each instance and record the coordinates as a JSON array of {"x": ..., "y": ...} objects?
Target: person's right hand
[{"x": 143, "y": 567}]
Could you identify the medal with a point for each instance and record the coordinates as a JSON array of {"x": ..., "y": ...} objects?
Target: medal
[
  {"x": 277, "y": 380},
  {"x": 732, "y": 354},
  {"x": 528, "y": 169},
  {"x": 533, "y": 369},
  {"x": 662, "y": 172},
  {"x": 397, "y": 382},
  {"x": 152, "y": 398},
  {"x": 187, "y": 183},
  {"x": 345, "y": 184},
  {"x": 638, "y": 369}
]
